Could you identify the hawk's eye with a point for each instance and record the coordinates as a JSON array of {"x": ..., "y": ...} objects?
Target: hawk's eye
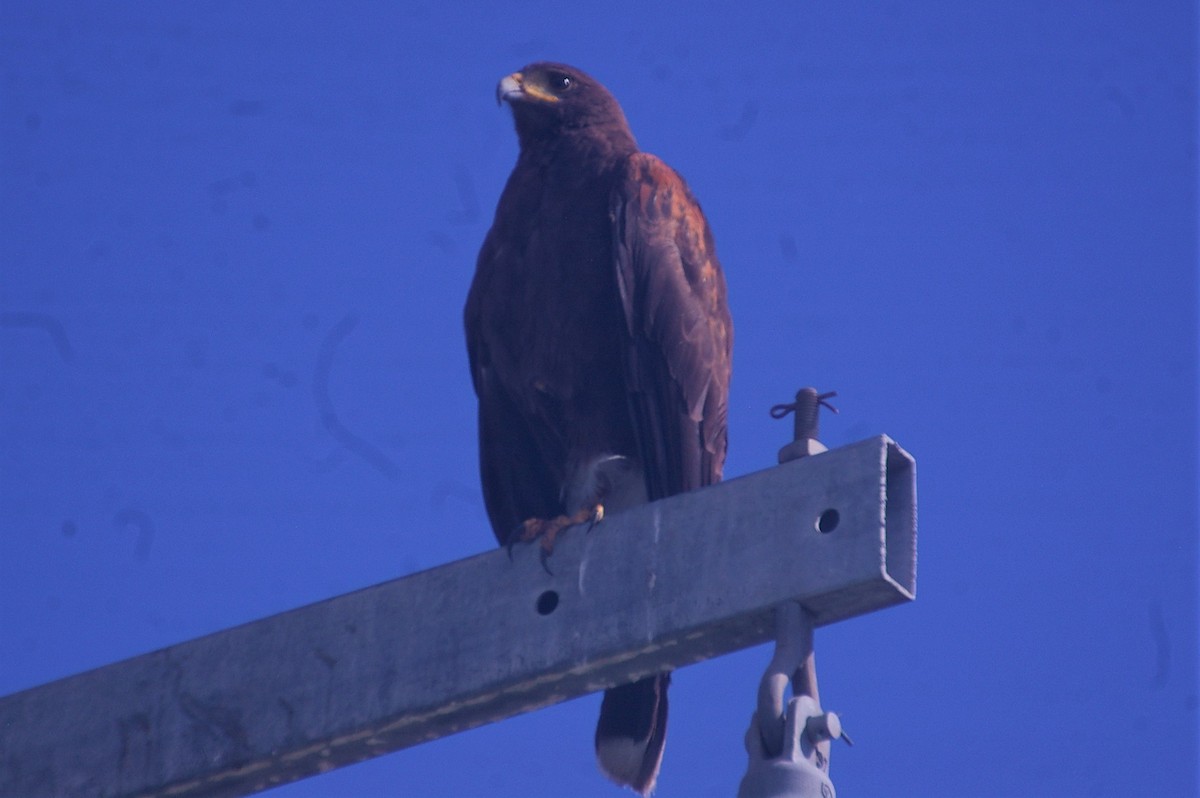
[{"x": 559, "y": 82}]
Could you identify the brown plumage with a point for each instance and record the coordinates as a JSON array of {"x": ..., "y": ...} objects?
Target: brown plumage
[{"x": 599, "y": 340}]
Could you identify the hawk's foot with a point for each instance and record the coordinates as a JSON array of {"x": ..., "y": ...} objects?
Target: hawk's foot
[{"x": 546, "y": 531}]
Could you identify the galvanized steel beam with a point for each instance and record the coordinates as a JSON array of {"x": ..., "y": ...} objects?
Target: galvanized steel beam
[{"x": 478, "y": 640}]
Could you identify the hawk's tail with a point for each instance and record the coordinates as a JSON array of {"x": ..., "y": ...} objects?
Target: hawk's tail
[{"x": 631, "y": 732}]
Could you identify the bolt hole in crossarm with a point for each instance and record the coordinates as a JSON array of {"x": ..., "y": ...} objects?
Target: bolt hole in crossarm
[
  {"x": 547, "y": 602},
  {"x": 828, "y": 521}
]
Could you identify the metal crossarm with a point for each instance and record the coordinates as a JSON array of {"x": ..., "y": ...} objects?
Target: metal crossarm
[{"x": 478, "y": 640}]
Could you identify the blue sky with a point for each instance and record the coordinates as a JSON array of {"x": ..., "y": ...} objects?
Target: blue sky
[{"x": 976, "y": 222}]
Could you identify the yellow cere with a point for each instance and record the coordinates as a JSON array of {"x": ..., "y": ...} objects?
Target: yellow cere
[{"x": 532, "y": 87}]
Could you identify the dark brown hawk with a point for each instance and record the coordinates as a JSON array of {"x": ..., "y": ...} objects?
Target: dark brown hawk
[{"x": 600, "y": 343}]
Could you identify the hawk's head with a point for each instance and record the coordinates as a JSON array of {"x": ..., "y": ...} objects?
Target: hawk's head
[{"x": 550, "y": 101}]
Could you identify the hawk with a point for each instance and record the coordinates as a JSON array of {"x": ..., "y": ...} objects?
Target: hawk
[{"x": 600, "y": 342}]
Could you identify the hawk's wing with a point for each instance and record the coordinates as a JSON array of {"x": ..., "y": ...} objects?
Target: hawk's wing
[
  {"x": 677, "y": 363},
  {"x": 518, "y": 482}
]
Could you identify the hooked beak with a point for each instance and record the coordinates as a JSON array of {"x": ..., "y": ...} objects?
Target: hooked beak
[{"x": 509, "y": 89}]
